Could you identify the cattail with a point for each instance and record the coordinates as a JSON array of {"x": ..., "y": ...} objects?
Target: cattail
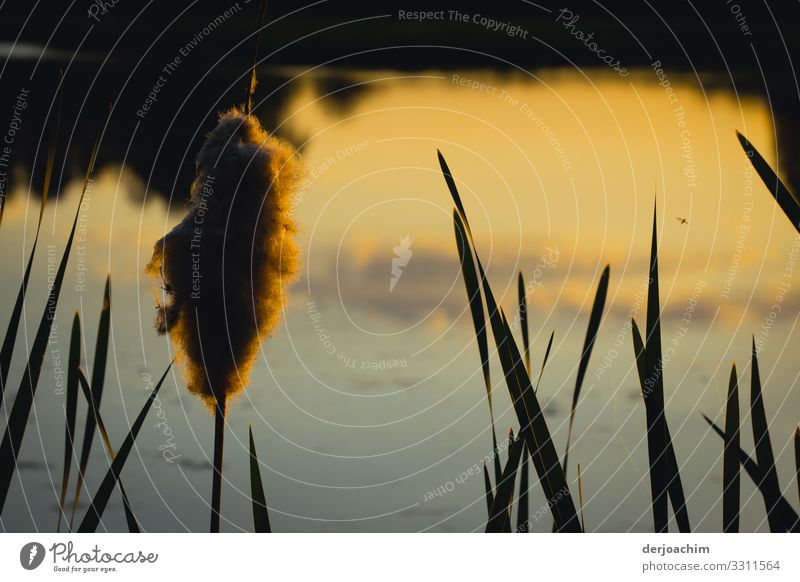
[{"x": 224, "y": 268}]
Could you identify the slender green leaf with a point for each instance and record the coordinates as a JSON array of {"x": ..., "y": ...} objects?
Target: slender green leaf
[
  {"x": 9, "y": 341},
  {"x": 70, "y": 411},
  {"x": 523, "y": 513},
  {"x": 580, "y": 496},
  {"x": 787, "y": 518},
  {"x": 764, "y": 456},
  {"x": 260, "y": 511},
  {"x": 533, "y": 426},
  {"x": 665, "y": 479},
  {"x": 783, "y": 196},
  {"x": 98, "y": 382},
  {"x": 133, "y": 525},
  {"x": 98, "y": 505},
  {"x": 479, "y": 323},
  {"x": 523, "y": 321},
  {"x": 18, "y": 418},
  {"x": 499, "y": 516},
  {"x": 731, "y": 497},
  {"x": 544, "y": 361},
  {"x": 591, "y": 335},
  {"x": 797, "y": 457},
  {"x": 489, "y": 495}
]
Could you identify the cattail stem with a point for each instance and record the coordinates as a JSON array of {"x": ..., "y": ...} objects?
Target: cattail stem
[{"x": 216, "y": 485}]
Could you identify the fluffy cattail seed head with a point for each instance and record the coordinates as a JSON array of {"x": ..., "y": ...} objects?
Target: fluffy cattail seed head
[{"x": 223, "y": 270}]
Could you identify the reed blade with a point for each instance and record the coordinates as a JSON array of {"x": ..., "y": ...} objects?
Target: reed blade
[
  {"x": 523, "y": 513},
  {"x": 98, "y": 505},
  {"x": 580, "y": 497},
  {"x": 260, "y": 511},
  {"x": 487, "y": 483},
  {"x": 783, "y": 196},
  {"x": 653, "y": 391},
  {"x": 475, "y": 300},
  {"x": 731, "y": 485},
  {"x": 788, "y": 520},
  {"x": 130, "y": 518},
  {"x": 523, "y": 321},
  {"x": 544, "y": 361},
  {"x": 763, "y": 445},
  {"x": 533, "y": 426},
  {"x": 499, "y": 515},
  {"x": 71, "y": 410},
  {"x": 20, "y": 410},
  {"x": 591, "y": 335},
  {"x": 7, "y": 351},
  {"x": 797, "y": 458},
  {"x": 665, "y": 479},
  {"x": 98, "y": 382}
]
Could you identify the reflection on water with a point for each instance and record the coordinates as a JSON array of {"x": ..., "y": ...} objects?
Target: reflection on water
[{"x": 371, "y": 396}]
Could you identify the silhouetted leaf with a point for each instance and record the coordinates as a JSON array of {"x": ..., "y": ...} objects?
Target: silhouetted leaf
[
  {"x": 785, "y": 198},
  {"x": 133, "y": 525},
  {"x": 764, "y": 456},
  {"x": 10, "y": 339},
  {"x": 788, "y": 520},
  {"x": 523, "y": 514},
  {"x": 98, "y": 382},
  {"x": 479, "y": 323},
  {"x": 70, "y": 411},
  {"x": 18, "y": 417},
  {"x": 533, "y": 426},
  {"x": 260, "y": 511},
  {"x": 591, "y": 334},
  {"x": 92, "y": 518},
  {"x": 499, "y": 516},
  {"x": 523, "y": 321},
  {"x": 730, "y": 462}
]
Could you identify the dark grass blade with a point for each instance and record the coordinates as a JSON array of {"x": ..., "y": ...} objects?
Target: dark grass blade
[
  {"x": 523, "y": 512},
  {"x": 98, "y": 505},
  {"x": 653, "y": 391},
  {"x": 499, "y": 515},
  {"x": 260, "y": 511},
  {"x": 523, "y": 321},
  {"x": 580, "y": 496},
  {"x": 487, "y": 482},
  {"x": 18, "y": 418},
  {"x": 783, "y": 196},
  {"x": 764, "y": 456},
  {"x": 98, "y": 382},
  {"x": 731, "y": 485},
  {"x": 533, "y": 426},
  {"x": 591, "y": 335},
  {"x": 133, "y": 525},
  {"x": 797, "y": 457},
  {"x": 665, "y": 479},
  {"x": 788, "y": 520},
  {"x": 71, "y": 411},
  {"x": 7, "y": 350},
  {"x": 544, "y": 361},
  {"x": 216, "y": 478},
  {"x": 479, "y": 323},
  {"x": 652, "y": 452}
]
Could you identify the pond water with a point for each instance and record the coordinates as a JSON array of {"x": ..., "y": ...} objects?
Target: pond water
[{"x": 368, "y": 406}]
